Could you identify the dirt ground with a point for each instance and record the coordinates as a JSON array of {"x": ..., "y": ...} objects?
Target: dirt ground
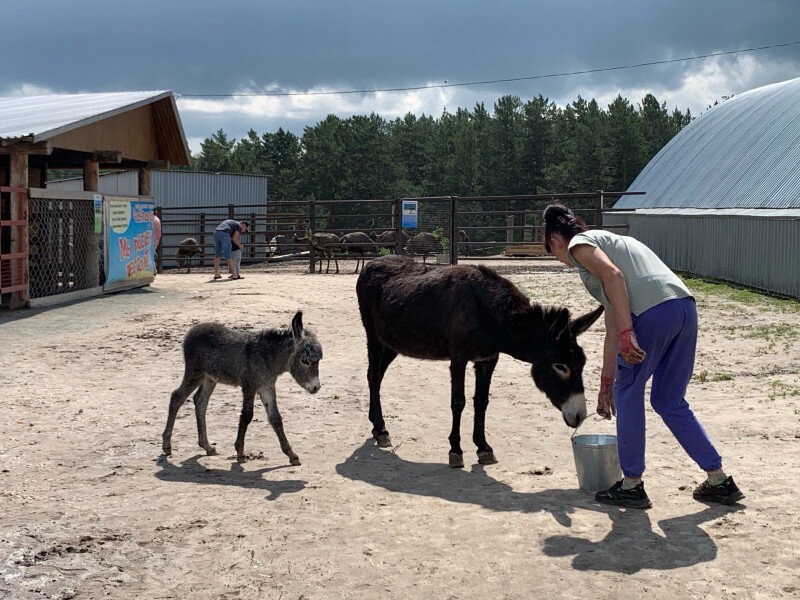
[{"x": 89, "y": 508}]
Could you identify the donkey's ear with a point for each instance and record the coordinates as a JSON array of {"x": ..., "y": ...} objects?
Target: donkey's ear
[
  {"x": 582, "y": 323},
  {"x": 561, "y": 322},
  {"x": 297, "y": 325}
]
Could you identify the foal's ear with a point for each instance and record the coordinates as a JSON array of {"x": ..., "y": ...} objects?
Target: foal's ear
[
  {"x": 297, "y": 325},
  {"x": 582, "y": 323}
]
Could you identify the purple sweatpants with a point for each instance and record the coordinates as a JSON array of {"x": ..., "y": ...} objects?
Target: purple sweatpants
[{"x": 668, "y": 333}]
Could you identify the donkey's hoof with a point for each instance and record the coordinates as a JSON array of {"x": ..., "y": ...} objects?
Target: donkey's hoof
[
  {"x": 166, "y": 450},
  {"x": 486, "y": 458},
  {"x": 295, "y": 461},
  {"x": 241, "y": 458},
  {"x": 211, "y": 452},
  {"x": 456, "y": 460},
  {"x": 384, "y": 441}
]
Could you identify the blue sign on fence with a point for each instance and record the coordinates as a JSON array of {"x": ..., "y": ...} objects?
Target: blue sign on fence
[
  {"x": 129, "y": 241},
  {"x": 409, "y": 213}
]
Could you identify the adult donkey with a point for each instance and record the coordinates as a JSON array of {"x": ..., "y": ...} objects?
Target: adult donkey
[{"x": 467, "y": 313}]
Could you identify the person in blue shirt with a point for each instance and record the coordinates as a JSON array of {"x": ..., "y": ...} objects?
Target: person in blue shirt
[{"x": 225, "y": 235}]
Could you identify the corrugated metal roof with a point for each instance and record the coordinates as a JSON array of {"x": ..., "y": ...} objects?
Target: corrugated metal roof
[
  {"x": 742, "y": 153},
  {"x": 43, "y": 117},
  {"x": 771, "y": 213},
  {"x": 183, "y": 188}
]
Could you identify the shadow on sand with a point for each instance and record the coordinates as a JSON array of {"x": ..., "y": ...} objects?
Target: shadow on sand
[
  {"x": 191, "y": 471},
  {"x": 630, "y": 545}
]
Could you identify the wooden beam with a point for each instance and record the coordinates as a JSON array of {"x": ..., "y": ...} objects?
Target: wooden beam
[
  {"x": 45, "y": 147},
  {"x": 158, "y": 165},
  {"x": 107, "y": 156},
  {"x": 91, "y": 175}
]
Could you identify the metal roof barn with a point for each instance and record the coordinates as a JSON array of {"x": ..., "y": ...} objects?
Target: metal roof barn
[
  {"x": 723, "y": 196},
  {"x": 742, "y": 153}
]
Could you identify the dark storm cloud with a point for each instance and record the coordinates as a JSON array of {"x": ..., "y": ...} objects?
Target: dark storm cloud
[
  {"x": 206, "y": 47},
  {"x": 196, "y": 47}
]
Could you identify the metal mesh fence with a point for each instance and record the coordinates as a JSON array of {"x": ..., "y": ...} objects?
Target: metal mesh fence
[
  {"x": 447, "y": 227},
  {"x": 64, "y": 251}
]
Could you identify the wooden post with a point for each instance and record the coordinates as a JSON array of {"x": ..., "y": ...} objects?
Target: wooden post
[
  {"x": 398, "y": 226},
  {"x": 252, "y": 236},
  {"x": 453, "y": 231},
  {"x": 144, "y": 182},
  {"x": 91, "y": 175},
  {"x": 18, "y": 177},
  {"x": 202, "y": 239},
  {"x": 510, "y": 228},
  {"x": 310, "y": 234},
  {"x": 599, "y": 208},
  {"x": 159, "y": 251},
  {"x": 231, "y": 212}
]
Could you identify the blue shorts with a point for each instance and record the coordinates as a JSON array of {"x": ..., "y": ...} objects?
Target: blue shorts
[{"x": 222, "y": 244}]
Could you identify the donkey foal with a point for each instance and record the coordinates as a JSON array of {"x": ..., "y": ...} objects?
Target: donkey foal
[{"x": 215, "y": 354}]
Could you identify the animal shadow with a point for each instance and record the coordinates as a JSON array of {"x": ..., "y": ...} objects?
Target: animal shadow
[
  {"x": 191, "y": 471},
  {"x": 631, "y": 544}
]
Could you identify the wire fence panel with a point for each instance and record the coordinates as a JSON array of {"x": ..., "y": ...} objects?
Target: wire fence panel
[{"x": 64, "y": 252}]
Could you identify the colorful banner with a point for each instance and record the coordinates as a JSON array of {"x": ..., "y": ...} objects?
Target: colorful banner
[{"x": 129, "y": 241}]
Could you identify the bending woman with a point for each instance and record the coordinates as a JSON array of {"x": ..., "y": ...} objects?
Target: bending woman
[{"x": 651, "y": 331}]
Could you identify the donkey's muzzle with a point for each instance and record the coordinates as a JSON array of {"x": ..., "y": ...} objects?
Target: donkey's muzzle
[
  {"x": 574, "y": 410},
  {"x": 313, "y": 386}
]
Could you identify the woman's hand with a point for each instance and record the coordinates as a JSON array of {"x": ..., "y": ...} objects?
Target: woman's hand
[
  {"x": 605, "y": 399},
  {"x": 629, "y": 348}
]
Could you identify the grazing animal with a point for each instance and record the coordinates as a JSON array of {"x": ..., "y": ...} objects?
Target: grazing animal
[
  {"x": 250, "y": 360},
  {"x": 461, "y": 314},
  {"x": 325, "y": 244},
  {"x": 386, "y": 239},
  {"x": 424, "y": 244},
  {"x": 187, "y": 249},
  {"x": 280, "y": 245},
  {"x": 360, "y": 243}
]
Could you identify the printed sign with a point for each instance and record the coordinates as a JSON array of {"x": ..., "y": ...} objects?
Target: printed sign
[
  {"x": 129, "y": 241},
  {"x": 409, "y": 213},
  {"x": 98, "y": 213}
]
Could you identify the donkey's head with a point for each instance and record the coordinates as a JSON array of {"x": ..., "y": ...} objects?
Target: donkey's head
[
  {"x": 306, "y": 354},
  {"x": 558, "y": 371}
]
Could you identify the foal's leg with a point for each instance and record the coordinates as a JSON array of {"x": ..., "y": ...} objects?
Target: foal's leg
[
  {"x": 268, "y": 398},
  {"x": 191, "y": 380},
  {"x": 380, "y": 357},
  {"x": 248, "y": 398},
  {"x": 483, "y": 378},
  {"x": 200, "y": 405},
  {"x": 457, "y": 402}
]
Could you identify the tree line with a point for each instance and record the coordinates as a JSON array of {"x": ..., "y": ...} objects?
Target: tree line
[{"x": 517, "y": 148}]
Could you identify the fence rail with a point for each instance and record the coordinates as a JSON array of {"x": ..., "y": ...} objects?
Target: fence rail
[{"x": 461, "y": 226}]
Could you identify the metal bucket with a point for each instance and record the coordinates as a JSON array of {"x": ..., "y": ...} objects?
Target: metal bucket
[{"x": 596, "y": 461}]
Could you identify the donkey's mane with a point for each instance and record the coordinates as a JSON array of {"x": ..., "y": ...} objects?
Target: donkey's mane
[{"x": 515, "y": 302}]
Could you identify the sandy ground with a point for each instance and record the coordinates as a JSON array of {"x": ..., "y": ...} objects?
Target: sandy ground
[{"x": 90, "y": 509}]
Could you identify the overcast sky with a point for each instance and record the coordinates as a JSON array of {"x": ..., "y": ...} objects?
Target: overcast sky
[{"x": 236, "y": 46}]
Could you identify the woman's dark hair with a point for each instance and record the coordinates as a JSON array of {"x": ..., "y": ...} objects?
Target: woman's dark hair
[{"x": 559, "y": 219}]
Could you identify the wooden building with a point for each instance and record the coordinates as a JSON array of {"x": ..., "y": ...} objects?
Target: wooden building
[{"x": 90, "y": 132}]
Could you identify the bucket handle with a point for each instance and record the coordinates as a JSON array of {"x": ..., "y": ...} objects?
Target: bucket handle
[{"x": 575, "y": 431}]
